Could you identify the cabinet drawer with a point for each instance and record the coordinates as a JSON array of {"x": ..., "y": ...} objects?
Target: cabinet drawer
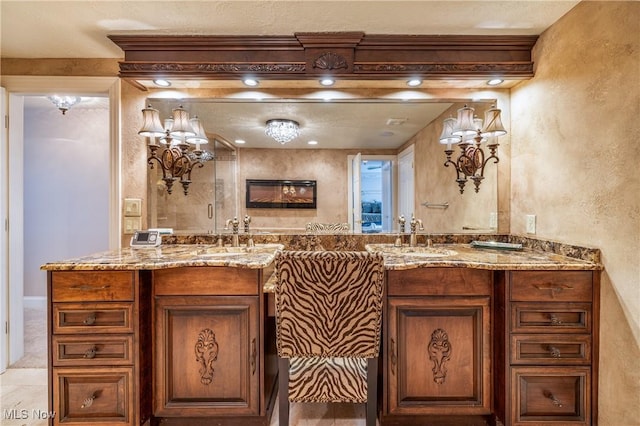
[
  {"x": 551, "y": 394},
  {"x": 78, "y": 350},
  {"x": 439, "y": 282},
  {"x": 551, "y": 286},
  {"x": 93, "y": 396},
  {"x": 92, "y": 318},
  {"x": 550, "y": 349},
  {"x": 214, "y": 281},
  {"x": 89, "y": 286},
  {"x": 551, "y": 318}
]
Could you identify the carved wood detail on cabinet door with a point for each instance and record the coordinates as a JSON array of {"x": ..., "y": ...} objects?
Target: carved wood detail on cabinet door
[
  {"x": 439, "y": 352},
  {"x": 206, "y": 349}
]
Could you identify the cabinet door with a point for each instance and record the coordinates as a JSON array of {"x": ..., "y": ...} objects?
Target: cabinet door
[
  {"x": 206, "y": 356},
  {"x": 438, "y": 355}
]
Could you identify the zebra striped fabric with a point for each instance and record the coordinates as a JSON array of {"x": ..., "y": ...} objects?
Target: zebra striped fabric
[
  {"x": 328, "y": 303},
  {"x": 327, "y": 228},
  {"x": 328, "y": 380}
]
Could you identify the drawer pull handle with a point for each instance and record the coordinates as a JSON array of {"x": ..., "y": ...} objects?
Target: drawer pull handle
[
  {"x": 253, "y": 357},
  {"x": 392, "y": 355},
  {"x": 553, "y": 399},
  {"x": 555, "y": 320},
  {"x": 90, "y": 353},
  {"x": 555, "y": 352},
  {"x": 88, "y": 402},
  {"x": 554, "y": 288},
  {"x": 90, "y": 319},
  {"x": 88, "y": 287}
]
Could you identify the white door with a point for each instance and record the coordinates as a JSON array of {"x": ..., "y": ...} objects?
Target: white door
[
  {"x": 406, "y": 196},
  {"x": 355, "y": 203}
]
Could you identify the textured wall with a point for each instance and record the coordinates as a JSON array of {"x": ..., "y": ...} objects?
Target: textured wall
[{"x": 575, "y": 157}]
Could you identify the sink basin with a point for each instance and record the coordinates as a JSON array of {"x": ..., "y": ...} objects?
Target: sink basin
[{"x": 420, "y": 251}]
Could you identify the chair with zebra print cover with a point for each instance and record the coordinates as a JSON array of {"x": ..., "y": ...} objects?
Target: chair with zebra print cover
[
  {"x": 327, "y": 228},
  {"x": 328, "y": 319}
]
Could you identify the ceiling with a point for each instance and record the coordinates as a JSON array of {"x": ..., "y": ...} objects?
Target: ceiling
[{"x": 79, "y": 29}]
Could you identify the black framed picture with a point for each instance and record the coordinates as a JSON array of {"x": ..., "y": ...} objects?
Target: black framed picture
[{"x": 281, "y": 194}]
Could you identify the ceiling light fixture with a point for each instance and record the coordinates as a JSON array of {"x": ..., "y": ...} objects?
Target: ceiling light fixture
[
  {"x": 495, "y": 81},
  {"x": 327, "y": 82},
  {"x": 414, "y": 82},
  {"x": 182, "y": 138},
  {"x": 63, "y": 103},
  {"x": 251, "y": 82},
  {"x": 468, "y": 133},
  {"x": 313, "y": 142},
  {"x": 282, "y": 130},
  {"x": 162, "y": 82}
]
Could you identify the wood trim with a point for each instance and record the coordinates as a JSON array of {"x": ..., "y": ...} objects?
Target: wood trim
[{"x": 347, "y": 55}]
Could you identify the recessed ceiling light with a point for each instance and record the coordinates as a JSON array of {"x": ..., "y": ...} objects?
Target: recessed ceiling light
[
  {"x": 162, "y": 82},
  {"x": 313, "y": 142},
  {"x": 495, "y": 81},
  {"x": 327, "y": 82},
  {"x": 239, "y": 141},
  {"x": 414, "y": 82},
  {"x": 250, "y": 82}
]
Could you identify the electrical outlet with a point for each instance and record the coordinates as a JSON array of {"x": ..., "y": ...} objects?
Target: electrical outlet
[
  {"x": 531, "y": 223},
  {"x": 493, "y": 220}
]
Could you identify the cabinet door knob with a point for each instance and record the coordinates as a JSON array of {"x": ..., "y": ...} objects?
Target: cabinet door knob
[
  {"x": 90, "y": 319},
  {"x": 90, "y": 353},
  {"x": 555, "y": 352},
  {"x": 555, "y": 320},
  {"x": 553, "y": 399},
  {"x": 88, "y": 402}
]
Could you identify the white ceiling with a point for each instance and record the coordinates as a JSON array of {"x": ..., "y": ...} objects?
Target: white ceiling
[{"x": 79, "y": 29}]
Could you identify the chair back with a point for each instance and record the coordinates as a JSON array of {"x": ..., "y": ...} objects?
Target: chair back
[
  {"x": 327, "y": 228},
  {"x": 328, "y": 303}
]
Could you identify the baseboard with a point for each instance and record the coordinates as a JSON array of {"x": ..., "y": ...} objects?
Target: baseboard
[{"x": 34, "y": 302}]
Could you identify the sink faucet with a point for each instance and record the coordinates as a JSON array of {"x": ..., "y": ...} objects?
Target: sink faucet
[
  {"x": 246, "y": 221},
  {"x": 413, "y": 241},
  {"x": 235, "y": 224},
  {"x": 401, "y": 221}
]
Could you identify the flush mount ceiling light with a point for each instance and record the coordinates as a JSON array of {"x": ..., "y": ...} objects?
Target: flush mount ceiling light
[
  {"x": 251, "y": 82},
  {"x": 468, "y": 133},
  {"x": 327, "y": 82},
  {"x": 181, "y": 137},
  {"x": 63, "y": 103},
  {"x": 161, "y": 82},
  {"x": 414, "y": 82},
  {"x": 495, "y": 81},
  {"x": 282, "y": 130}
]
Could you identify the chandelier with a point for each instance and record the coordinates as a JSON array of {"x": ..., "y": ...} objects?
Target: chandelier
[
  {"x": 180, "y": 140},
  {"x": 63, "y": 103},
  {"x": 282, "y": 130},
  {"x": 468, "y": 133}
]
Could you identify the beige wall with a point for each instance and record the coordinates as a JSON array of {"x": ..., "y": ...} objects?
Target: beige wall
[{"x": 575, "y": 158}]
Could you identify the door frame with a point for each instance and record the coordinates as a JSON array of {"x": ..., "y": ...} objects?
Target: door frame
[
  {"x": 17, "y": 87},
  {"x": 406, "y": 195}
]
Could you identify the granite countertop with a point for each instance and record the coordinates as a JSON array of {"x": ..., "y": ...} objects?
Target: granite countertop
[
  {"x": 171, "y": 256},
  {"x": 466, "y": 256}
]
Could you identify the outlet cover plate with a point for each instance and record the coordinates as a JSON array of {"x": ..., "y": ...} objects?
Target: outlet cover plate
[{"x": 531, "y": 224}]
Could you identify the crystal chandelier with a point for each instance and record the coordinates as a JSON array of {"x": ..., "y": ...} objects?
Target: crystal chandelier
[
  {"x": 282, "y": 130},
  {"x": 468, "y": 133},
  {"x": 180, "y": 138},
  {"x": 63, "y": 103}
]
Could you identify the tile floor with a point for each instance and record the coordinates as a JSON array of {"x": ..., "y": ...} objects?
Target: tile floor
[{"x": 23, "y": 389}]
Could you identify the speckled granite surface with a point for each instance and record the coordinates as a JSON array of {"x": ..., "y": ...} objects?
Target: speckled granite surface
[{"x": 200, "y": 250}]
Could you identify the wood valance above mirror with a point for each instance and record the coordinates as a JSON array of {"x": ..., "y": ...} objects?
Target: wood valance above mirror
[{"x": 344, "y": 55}]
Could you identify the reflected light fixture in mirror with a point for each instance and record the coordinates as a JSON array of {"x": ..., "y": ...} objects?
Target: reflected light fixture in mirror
[
  {"x": 282, "y": 130},
  {"x": 181, "y": 137},
  {"x": 63, "y": 103},
  {"x": 468, "y": 133}
]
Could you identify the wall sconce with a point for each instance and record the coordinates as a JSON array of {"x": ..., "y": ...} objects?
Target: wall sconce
[
  {"x": 181, "y": 137},
  {"x": 468, "y": 133}
]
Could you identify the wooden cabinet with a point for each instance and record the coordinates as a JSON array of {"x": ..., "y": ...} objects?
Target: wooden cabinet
[
  {"x": 96, "y": 367},
  {"x": 547, "y": 322},
  {"x": 209, "y": 361},
  {"x": 437, "y": 346}
]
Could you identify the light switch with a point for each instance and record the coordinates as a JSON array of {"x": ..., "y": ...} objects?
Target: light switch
[
  {"x": 132, "y": 207},
  {"x": 132, "y": 224}
]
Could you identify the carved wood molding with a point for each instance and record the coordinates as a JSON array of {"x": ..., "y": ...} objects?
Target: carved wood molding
[
  {"x": 347, "y": 55},
  {"x": 206, "y": 350}
]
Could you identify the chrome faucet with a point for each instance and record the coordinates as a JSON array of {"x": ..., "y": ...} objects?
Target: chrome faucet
[
  {"x": 401, "y": 221},
  {"x": 235, "y": 224},
  {"x": 246, "y": 221},
  {"x": 413, "y": 240}
]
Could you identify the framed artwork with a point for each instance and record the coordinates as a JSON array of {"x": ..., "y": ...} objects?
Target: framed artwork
[{"x": 281, "y": 194}]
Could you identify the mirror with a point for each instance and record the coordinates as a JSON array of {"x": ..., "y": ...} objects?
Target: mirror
[{"x": 340, "y": 128}]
